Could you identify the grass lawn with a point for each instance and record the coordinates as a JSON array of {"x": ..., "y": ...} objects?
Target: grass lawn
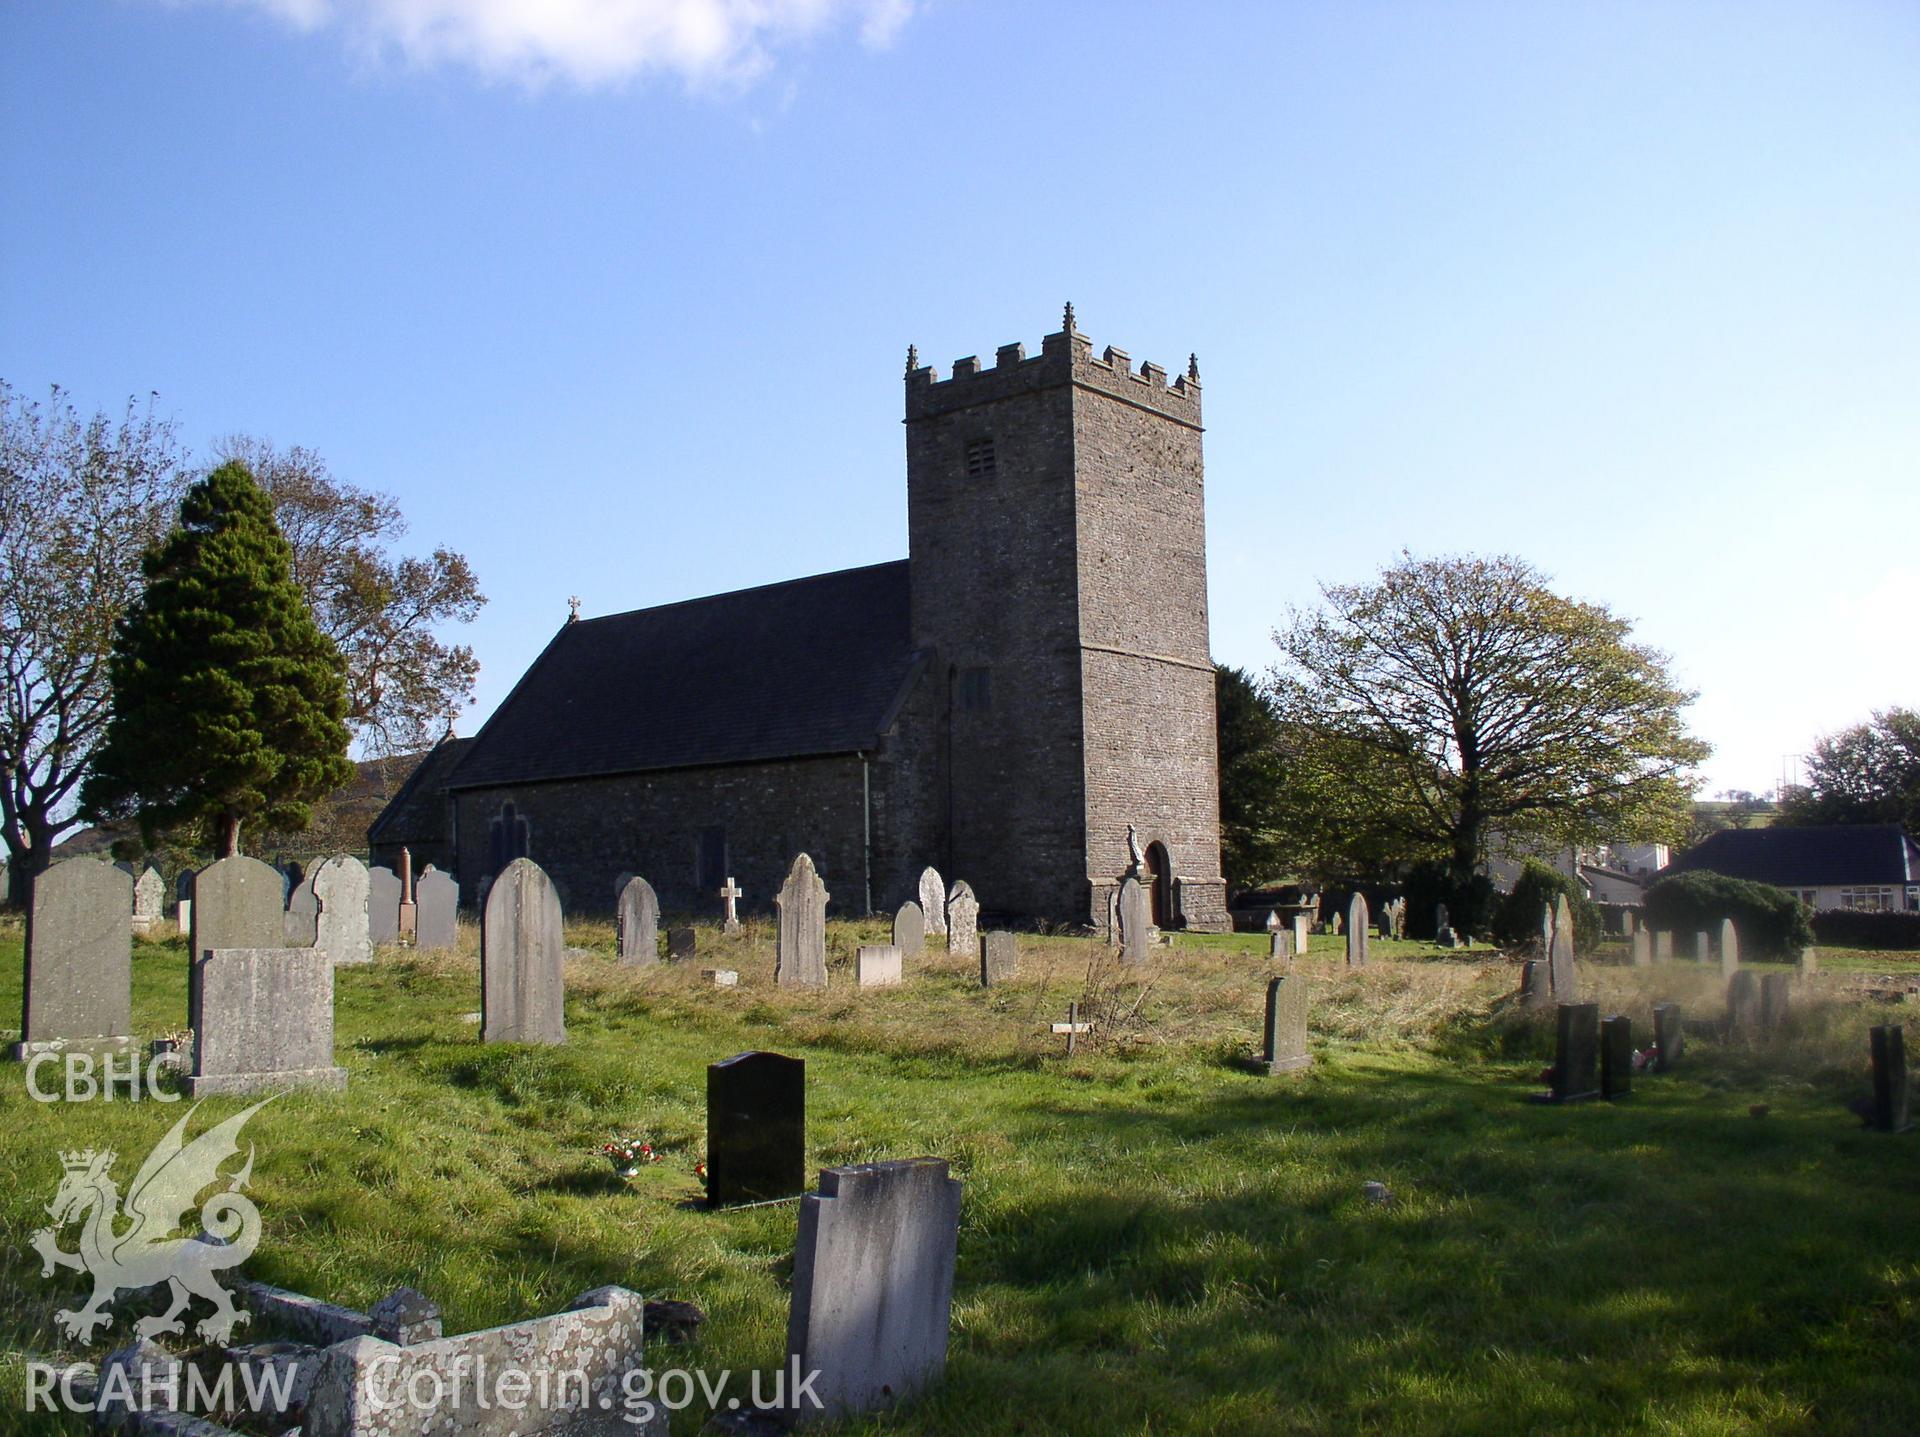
[{"x": 1154, "y": 1239}]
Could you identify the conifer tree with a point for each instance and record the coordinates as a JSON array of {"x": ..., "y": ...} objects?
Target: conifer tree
[{"x": 229, "y": 704}]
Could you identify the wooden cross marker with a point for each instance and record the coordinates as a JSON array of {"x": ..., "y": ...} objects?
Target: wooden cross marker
[
  {"x": 731, "y": 895},
  {"x": 1073, "y": 1027}
]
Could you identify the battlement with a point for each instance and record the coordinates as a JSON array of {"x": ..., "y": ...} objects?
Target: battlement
[{"x": 1065, "y": 358}]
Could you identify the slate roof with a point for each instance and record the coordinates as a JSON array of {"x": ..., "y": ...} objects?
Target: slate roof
[
  {"x": 807, "y": 667},
  {"x": 1807, "y": 857},
  {"x": 417, "y": 812}
]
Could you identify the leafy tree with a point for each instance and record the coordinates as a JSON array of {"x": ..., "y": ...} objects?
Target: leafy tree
[
  {"x": 1251, "y": 848},
  {"x": 229, "y": 704},
  {"x": 1537, "y": 887},
  {"x": 1869, "y": 773},
  {"x": 403, "y": 684},
  {"x": 80, "y": 500},
  {"x": 1458, "y": 697}
]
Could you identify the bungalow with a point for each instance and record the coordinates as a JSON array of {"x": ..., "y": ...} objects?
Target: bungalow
[{"x": 1873, "y": 868}]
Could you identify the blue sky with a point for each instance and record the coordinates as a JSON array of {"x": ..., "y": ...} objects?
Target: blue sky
[{"x": 615, "y": 296}]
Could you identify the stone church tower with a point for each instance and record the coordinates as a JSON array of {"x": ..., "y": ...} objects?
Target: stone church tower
[{"x": 1057, "y": 543}]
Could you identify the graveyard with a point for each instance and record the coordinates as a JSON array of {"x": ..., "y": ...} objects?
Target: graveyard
[{"x": 1155, "y": 1233}]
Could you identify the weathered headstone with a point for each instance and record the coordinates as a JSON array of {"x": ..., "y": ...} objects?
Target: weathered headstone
[
  {"x": 1442, "y": 920},
  {"x": 1575, "y": 1074},
  {"x": 999, "y": 958},
  {"x": 1280, "y": 944},
  {"x": 1357, "y": 931},
  {"x": 341, "y": 886},
  {"x": 1627, "y": 925},
  {"x": 262, "y": 1019},
  {"x": 436, "y": 898},
  {"x": 149, "y": 896},
  {"x": 1729, "y": 949},
  {"x": 933, "y": 900},
  {"x": 1809, "y": 962},
  {"x": 1334, "y": 926},
  {"x": 873, "y": 1284},
  {"x": 1642, "y": 948},
  {"x": 1273, "y": 920},
  {"x": 1616, "y": 1057},
  {"x": 300, "y": 923},
  {"x": 639, "y": 920},
  {"x": 79, "y": 978},
  {"x": 383, "y": 907},
  {"x": 237, "y": 903},
  {"x": 1560, "y": 969},
  {"x": 682, "y": 943},
  {"x": 1669, "y": 1036},
  {"x": 910, "y": 930},
  {"x": 183, "y": 901},
  {"x": 730, "y": 896},
  {"x": 1663, "y": 946},
  {"x": 877, "y": 966},
  {"x": 407, "y": 911},
  {"x": 1302, "y": 925},
  {"x": 1743, "y": 1004},
  {"x": 963, "y": 920},
  {"x": 1285, "y": 1049},
  {"x": 722, "y": 977},
  {"x": 1776, "y": 997},
  {"x": 1535, "y": 989},
  {"x": 1892, "y": 1099},
  {"x": 756, "y": 1128},
  {"x": 801, "y": 961},
  {"x": 1703, "y": 947},
  {"x": 1136, "y": 919},
  {"x": 522, "y": 957}
]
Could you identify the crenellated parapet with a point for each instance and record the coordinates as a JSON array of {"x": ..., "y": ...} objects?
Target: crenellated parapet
[{"x": 1065, "y": 358}]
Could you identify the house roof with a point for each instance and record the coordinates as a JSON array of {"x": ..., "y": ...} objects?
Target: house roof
[
  {"x": 417, "y": 812},
  {"x": 807, "y": 667},
  {"x": 1812, "y": 857}
]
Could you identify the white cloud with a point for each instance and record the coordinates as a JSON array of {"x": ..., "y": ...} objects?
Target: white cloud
[{"x": 591, "y": 42}]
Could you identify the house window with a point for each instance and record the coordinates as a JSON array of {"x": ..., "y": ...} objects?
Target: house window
[
  {"x": 1867, "y": 900},
  {"x": 710, "y": 859},
  {"x": 980, "y": 461},
  {"x": 974, "y": 691}
]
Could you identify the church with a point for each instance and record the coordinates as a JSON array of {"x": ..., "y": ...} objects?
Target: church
[{"x": 1025, "y": 702}]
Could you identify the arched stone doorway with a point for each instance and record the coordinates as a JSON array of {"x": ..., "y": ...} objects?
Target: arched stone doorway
[{"x": 1160, "y": 884}]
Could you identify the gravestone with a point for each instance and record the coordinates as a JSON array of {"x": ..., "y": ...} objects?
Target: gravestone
[
  {"x": 1136, "y": 919},
  {"x": 1743, "y": 1005},
  {"x": 1808, "y": 963},
  {"x": 383, "y": 907},
  {"x": 1892, "y": 1100},
  {"x": 1280, "y": 944},
  {"x": 999, "y": 958},
  {"x": 933, "y": 900},
  {"x": 682, "y": 943},
  {"x": 1285, "y": 1049},
  {"x": 1616, "y": 1057},
  {"x": 237, "y": 904},
  {"x": 1560, "y": 969},
  {"x": 149, "y": 896},
  {"x": 342, "y": 932},
  {"x": 406, "y": 913},
  {"x": 1663, "y": 946},
  {"x": 1273, "y": 920},
  {"x": 756, "y": 1128},
  {"x": 1642, "y": 949},
  {"x": 963, "y": 920},
  {"x": 1627, "y": 925},
  {"x": 79, "y": 959},
  {"x": 639, "y": 920},
  {"x": 1669, "y": 1036},
  {"x": 436, "y": 899},
  {"x": 1535, "y": 990},
  {"x": 522, "y": 956},
  {"x": 1334, "y": 926},
  {"x": 730, "y": 896},
  {"x": 1703, "y": 947},
  {"x": 262, "y": 1020},
  {"x": 1302, "y": 925},
  {"x": 802, "y": 900},
  {"x": 1729, "y": 949},
  {"x": 722, "y": 977},
  {"x": 873, "y": 1284},
  {"x": 1575, "y": 1076},
  {"x": 1357, "y": 931},
  {"x": 300, "y": 923},
  {"x": 1776, "y": 998},
  {"x": 910, "y": 930},
  {"x": 877, "y": 966}
]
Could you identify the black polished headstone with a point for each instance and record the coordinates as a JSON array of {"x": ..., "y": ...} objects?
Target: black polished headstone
[
  {"x": 1892, "y": 1103},
  {"x": 1669, "y": 1036},
  {"x": 1616, "y": 1057},
  {"x": 1575, "y": 1075},
  {"x": 681, "y": 943},
  {"x": 756, "y": 1128}
]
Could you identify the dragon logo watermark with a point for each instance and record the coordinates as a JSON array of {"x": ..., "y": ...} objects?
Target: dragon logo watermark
[{"x": 134, "y": 1246}]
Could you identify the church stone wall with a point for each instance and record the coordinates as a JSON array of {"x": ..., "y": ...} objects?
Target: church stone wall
[{"x": 586, "y": 832}]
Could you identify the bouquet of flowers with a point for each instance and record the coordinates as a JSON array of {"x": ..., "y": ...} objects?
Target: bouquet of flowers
[{"x": 629, "y": 1155}]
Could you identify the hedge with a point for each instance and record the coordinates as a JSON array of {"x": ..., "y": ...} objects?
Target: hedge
[
  {"x": 1517, "y": 921},
  {"x": 1770, "y": 921},
  {"x": 1867, "y": 930}
]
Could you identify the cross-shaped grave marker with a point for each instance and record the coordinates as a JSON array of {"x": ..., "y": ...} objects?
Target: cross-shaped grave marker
[
  {"x": 1072, "y": 1028},
  {"x": 730, "y": 895}
]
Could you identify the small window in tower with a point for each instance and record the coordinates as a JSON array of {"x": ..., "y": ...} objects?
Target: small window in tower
[
  {"x": 976, "y": 691},
  {"x": 980, "y": 460}
]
